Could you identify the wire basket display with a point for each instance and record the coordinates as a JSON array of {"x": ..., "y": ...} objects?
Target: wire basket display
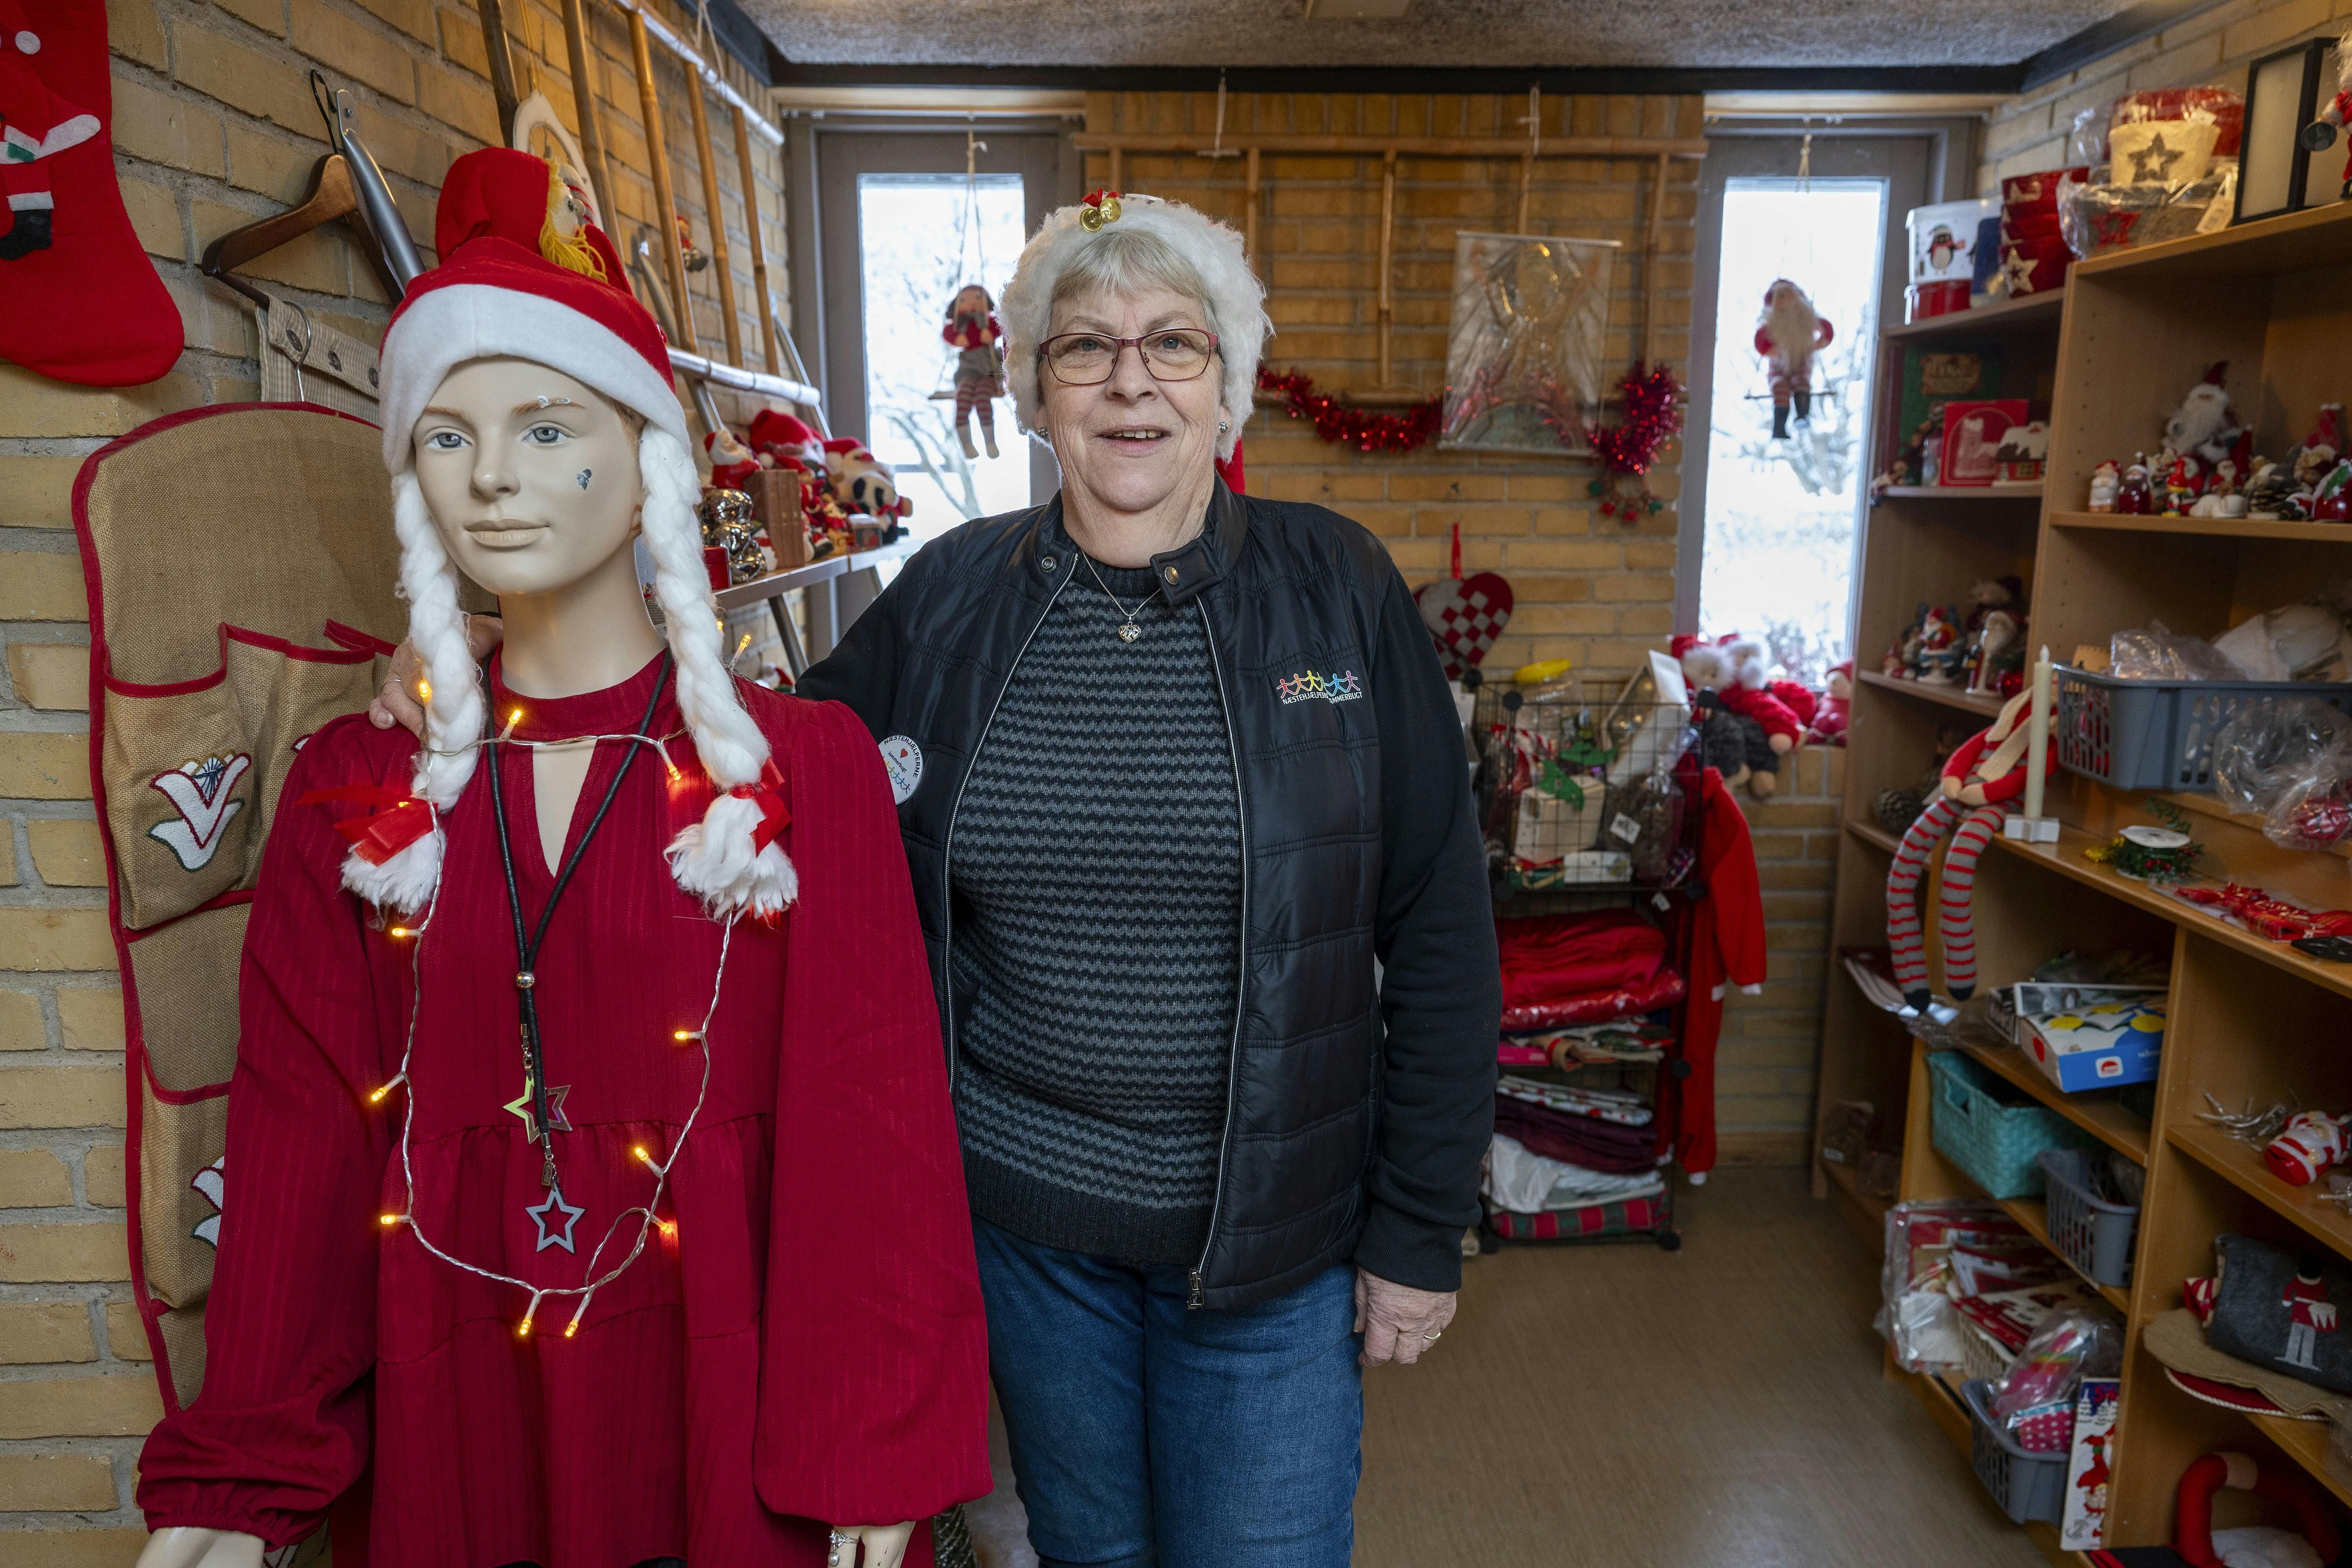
[{"x": 1579, "y": 785}]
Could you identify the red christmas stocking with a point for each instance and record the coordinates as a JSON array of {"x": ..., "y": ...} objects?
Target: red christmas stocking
[{"x": 84, "y": 303}]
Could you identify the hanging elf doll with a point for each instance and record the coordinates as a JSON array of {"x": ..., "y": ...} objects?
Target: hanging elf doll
[
  {"x": 35, "y": 125},
  {"x": 1789, "y": 334},
  {"x": 971, "y": 329},
  {"x": 1987, "y": 768}
]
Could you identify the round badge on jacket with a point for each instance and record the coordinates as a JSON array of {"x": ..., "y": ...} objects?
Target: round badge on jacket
[{"x": 903, "y": 760}]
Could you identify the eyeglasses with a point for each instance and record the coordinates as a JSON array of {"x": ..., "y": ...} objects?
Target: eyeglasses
[{"x": 1086, "y": 358}]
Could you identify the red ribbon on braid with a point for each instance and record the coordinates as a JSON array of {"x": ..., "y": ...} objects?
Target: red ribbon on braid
[
  {"x": 769, "y": 795},
  {"x": 399, "y": 821}
]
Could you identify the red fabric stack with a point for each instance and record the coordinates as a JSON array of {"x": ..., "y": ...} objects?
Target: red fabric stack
[
  {"x": 1563, "y": 970},
  {"x": 2033, "y": 254}
]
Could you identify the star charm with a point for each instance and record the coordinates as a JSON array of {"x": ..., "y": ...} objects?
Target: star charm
[
  {"x": 2018, "y": 270},
  {"x": 2113, "y": 229},
  {"x": 520, "y": 1106},
  {"x": 2155, "y": 161},
  {"x": 545, "y": 1213}
]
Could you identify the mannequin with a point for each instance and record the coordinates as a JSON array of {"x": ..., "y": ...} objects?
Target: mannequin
[{"x": 586, "y": 1248}]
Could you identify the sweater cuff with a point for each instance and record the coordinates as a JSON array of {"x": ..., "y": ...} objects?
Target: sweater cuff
[{"x": 1403, "y": 1250}]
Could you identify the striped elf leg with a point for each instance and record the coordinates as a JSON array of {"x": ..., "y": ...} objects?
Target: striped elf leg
[
  {"x": 1956, "y": 908},
  {"x": 1902, "y": 933}
]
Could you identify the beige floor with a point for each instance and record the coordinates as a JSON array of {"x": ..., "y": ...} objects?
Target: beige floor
[{"x": 1623, "y": 1407}]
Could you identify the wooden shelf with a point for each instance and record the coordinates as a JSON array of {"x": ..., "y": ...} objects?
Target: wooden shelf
[
  {"x": 2293, "y": 242},
  {"x": 2034, "y": 1215},
  {"x": 2304, "y": 1442},
  {"x": 2104, "y": 1120},
  {"x": 2241, "y": 1166},
  {"x": 2031, "y": 490},
  {"x": 1871, "y": 834},
  {"x": 2065, "y": 857},
  {"x": 1949, "y": 696},
  {"x": 1849, "y": 1181},
  {"x": 2208, "y": 527},
  {"x": 2031, "y": 313}
]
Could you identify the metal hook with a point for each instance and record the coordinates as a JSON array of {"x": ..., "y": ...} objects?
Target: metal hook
[
  {"x": 287, "y": 348},
  {"x": 323, "y": 96}
]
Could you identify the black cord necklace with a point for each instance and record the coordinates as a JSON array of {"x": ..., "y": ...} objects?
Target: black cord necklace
[{"x": 545, "y": 1119}]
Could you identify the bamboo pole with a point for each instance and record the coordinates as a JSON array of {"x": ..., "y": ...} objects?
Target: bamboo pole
[
  {"x": 1387, "y": 247},
  {"x": 716, "y": 220},
  {"x": 1534, "y": 124},
  {"x": 748, "y": 177},
  {"x": 584, "y": 98},
  {"x": 502, "y": 78},
  {"x": 1650, "y": 264},
  {"x": 1114, "y": 184},
  {"x": 1249, "y": 218},
  {"x": 694, "y": 62},
  {"x": 665, "y": 207},
  {"x": 1117, "y": 143}
]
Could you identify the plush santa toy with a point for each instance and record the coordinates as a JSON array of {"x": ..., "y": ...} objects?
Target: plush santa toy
[
  {"x": 1835, "y": 709},
  {"x": 731, "y": 462},
  {"x": 1767, "y": 702},
  {"x": 863, "y": 482},
  {"x": 2205, "y": 428},
  {"x": 1789, "y": 334},
  {"x": 1731, "y": 742},
  {"x": 35, "y": 125}
]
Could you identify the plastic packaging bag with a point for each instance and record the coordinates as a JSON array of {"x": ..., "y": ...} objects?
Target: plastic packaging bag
[
  {"x": 2306, "y": 640},
  {"x": 2156, "y": 652},
  {"x": 2272, "y": 745},
  {"x": 2315, "y": 811},
  {"x": 1914, "y": 1316},
  {"x": 2034, "y": 1399}
]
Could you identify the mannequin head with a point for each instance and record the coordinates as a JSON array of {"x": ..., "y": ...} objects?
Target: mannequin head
[{"x": 530, "y": 476}]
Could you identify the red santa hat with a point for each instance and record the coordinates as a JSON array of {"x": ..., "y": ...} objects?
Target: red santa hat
[{"x": 523, "y": 274}]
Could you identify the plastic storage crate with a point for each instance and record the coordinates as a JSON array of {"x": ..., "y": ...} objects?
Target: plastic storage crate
[
  {"x": 2158, "y": 734},
  {"x": 2089, "y": 1232},
  {"x": 1990, "y": 1135},
  {"x": 2025, "y": 1484}
]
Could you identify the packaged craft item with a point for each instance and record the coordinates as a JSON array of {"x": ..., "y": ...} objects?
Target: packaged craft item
[
  {"x": 2156, "y": 652},
  {"x": 1916, "y": 1316},
  {"x": 2034, "y": 1400},
  {"x": 2271, "y": 746}
]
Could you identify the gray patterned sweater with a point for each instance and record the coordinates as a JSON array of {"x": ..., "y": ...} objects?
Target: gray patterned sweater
[{"x": 1097, "y": 878}]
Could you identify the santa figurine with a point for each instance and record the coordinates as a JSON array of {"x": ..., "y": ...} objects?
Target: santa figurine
[
  {"x": 972, "y": 330},
  {"x": 35, "y": 125},
  {"x": 2333, "y": 117},
  {"x": 1768, "y": 702},
  {"x": 2105, "y": 480},
  {"x": 1836, "y": 707},
  {"x": 2204, "y": 428},
  {"x": 1789, "y": 334}
]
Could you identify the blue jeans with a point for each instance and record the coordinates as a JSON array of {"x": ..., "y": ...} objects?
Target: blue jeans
[{"x": 1148, "y": 1436}]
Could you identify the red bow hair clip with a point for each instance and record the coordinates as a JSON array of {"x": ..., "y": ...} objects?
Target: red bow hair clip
[{"x": 1098, "y": 208}]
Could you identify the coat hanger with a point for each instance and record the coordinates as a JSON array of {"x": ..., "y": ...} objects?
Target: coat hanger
[{"x": 333, "y": 193}]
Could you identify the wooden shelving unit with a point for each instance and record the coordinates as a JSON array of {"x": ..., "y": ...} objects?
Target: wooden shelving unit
[{"x": 2249, "y": 1019}]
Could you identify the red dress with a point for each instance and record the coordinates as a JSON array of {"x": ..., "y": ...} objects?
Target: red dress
[{"x": 807, "y": 1347}]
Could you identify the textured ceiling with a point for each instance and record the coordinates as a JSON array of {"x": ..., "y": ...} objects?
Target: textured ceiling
[{"x": 1718, "y": 34}]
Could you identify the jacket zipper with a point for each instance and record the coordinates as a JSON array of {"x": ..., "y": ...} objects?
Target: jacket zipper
[
  {"x": 947, "y": 850},
  {"x": 1198, "y": 1297}
]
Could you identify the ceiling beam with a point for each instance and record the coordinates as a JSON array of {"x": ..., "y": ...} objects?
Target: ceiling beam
[
  {"x": 1553, "y": 80},
  {"x": 2121, "y": 30}
]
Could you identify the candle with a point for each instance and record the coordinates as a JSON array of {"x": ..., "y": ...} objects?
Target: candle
[{"x": 2037, "y": 743}]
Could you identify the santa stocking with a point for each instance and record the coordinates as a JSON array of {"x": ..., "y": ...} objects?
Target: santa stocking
[{"x": 84, "y": 303}]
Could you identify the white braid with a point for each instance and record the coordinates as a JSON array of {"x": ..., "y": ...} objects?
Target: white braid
[
  {"x": 714, "y": 859},
  {"x": 453, "y": 716}
]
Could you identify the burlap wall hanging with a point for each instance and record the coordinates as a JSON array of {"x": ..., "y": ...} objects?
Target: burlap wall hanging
[{"x": 241, "y": 564}]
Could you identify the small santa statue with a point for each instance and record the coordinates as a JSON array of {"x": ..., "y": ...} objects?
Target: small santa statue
[
  {"x": 35, "y": 125},
  {"x": 1789, "y": 334}
]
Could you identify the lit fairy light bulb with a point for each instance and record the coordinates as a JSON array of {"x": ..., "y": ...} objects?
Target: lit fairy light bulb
[
  {"x": 376, "y": 1097},
  {"x": 683, "y": 1036},
  {"x": 387, "y": 1220},
  {"x": 424, "y": 690}
]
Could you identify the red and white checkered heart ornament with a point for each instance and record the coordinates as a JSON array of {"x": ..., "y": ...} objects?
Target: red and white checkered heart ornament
[{"x": 1465, "y": 615}]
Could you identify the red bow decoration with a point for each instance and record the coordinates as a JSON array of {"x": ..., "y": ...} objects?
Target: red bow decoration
[
  {"x": 399, "y": 821},
  {"x": 769, "y": 795}
]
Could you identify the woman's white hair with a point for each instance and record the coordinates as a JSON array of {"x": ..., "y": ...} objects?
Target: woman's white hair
[
  {"x": 1153, "y": 242},
  {"x": 716, "y": 859}
]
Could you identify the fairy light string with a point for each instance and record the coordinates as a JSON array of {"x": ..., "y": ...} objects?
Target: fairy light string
[{"x": 646, "y": 1215}]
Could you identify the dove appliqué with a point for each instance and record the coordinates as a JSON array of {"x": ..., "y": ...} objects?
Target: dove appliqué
[{"x": 203, "y": 793}]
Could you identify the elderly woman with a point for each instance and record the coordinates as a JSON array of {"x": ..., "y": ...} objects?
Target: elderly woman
[{"x": 1182, "y": 793}]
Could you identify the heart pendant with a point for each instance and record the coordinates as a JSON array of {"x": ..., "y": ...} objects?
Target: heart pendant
[{"x": 1129, "y": 632}]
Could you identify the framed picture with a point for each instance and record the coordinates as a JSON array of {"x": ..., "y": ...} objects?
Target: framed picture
[
  {"x": 1523, "y": 351},
  {"x": 2278, "y": 171}
]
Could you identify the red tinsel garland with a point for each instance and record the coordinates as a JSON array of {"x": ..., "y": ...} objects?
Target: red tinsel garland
[
  {"x": 1342, "y": 426},
  {"x": 1653, "y": 415}
]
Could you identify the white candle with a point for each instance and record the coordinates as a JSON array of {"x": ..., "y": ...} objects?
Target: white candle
[{"x": 2037, "y": 741}]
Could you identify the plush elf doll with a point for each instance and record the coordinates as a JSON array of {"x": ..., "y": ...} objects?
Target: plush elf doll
[
  {"x": 1987, "y": 768},
  {"x": 980, "y": 365},
  {"x": 35, "y": 124}
]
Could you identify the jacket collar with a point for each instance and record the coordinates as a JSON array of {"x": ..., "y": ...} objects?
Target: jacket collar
[{"x": 1184, "y": 574}]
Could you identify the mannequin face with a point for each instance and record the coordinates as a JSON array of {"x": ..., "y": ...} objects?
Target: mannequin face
[{"x": 531, "y": 477}]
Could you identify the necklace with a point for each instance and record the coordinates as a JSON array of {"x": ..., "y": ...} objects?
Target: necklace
[
  {"x": 540, "y": 1106},
  {"x": 1130, "y": 631}
]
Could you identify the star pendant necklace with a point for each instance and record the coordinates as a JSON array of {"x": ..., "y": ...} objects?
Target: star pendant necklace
[
  {"x": 541, "y": 1106},
  {"x": 1130, "y": 631}
]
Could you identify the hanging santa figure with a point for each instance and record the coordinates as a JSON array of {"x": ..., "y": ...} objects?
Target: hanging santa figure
[
  {"x": 35, "y": 125},
  {"x": 2320, "y": 135},
  {"x": 972, "y": 330},
  {"x": 1789, "y": 334}
]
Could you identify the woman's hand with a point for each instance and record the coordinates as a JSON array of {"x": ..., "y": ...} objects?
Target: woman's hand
[
  {"x": 187, "y": 1546},
  {"x": 399, "y": 701},
  {"x": 1398, "y": 1322},
  {"x": 884, "y": 1545}
]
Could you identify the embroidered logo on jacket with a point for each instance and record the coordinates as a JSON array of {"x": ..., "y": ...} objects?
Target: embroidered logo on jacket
[
  {"x": 201, "y": 791},
  {"x": 1309, "y": 687}
]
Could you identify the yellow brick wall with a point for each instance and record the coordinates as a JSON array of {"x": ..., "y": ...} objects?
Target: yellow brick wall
[
  {"x": 1587, "y": 587},
  {"x": 2212, "y": 48},
  {"x": 213, "y": 126}
]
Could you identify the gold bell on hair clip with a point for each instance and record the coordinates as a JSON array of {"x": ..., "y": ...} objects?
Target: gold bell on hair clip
[{"x": 1098, "y": 208}]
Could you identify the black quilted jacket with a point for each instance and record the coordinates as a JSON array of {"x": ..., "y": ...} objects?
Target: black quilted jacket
[{"x": 1363, "y": 1065}]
